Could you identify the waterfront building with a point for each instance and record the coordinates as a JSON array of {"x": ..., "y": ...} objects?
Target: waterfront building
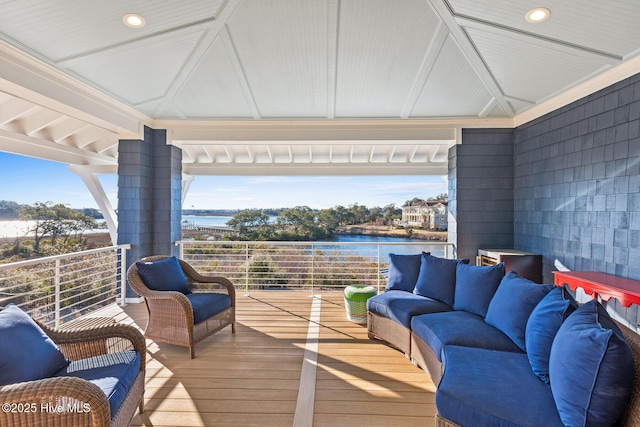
[{"x": 429, "y": 214}]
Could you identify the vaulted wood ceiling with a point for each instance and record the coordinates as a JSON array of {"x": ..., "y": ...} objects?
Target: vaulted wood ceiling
[{"x": 300, "y": 82}]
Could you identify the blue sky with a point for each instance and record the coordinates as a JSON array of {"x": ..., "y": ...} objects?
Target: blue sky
[{"x": 28, "y": 180}]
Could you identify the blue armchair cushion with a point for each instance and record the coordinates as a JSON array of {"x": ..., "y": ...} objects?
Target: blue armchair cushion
[
  {"x": 114, "y": 373},
  {"x": 205, "y": 305},
  {"x": 489, "y": 388},
  {"x": 512, "y": 304},
  {"x": 403, "y": 272},
  {"x": 475, "y": 287},
  {"x": 542, "y": 327},
  {"x": 590, "y": 368},
  {"x": 437, "y": 278},
  {"x": 163, "y": 275},
  {"x": 401, "y": 306},
  {"x": 26, "y": 352},
  {"x": 460, "y": 328}
]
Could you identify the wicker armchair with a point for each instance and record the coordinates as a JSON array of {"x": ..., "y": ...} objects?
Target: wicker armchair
[
  {"x": 35, "y": 403},
  {"x": 171, "y": 316}
]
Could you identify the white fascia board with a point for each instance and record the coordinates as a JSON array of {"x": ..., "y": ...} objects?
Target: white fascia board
[{"x": 314, "y": 169}]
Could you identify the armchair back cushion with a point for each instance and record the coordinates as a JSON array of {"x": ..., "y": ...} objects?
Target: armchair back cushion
[
  {"x": 163, "y": 275},
  {"x": 26, "y": 352}
]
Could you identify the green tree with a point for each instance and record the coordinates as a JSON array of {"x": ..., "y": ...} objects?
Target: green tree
[
  {"x": 299, "y": 223},
  {"x": 55, "y": 222},
  {"x": 251, "y": 224}
]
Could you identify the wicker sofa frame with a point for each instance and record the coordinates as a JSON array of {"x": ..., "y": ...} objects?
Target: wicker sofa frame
[
  {"x": 170, "y": 313},
  {"x": 75, "y": 344}
]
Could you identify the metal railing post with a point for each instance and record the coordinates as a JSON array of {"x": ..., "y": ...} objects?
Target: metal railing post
[
  {"x": 378, "y": 269},
  {"x": 313, "y": 258},
  {"x": 57, "y": 294},
  {"x": 123, "y": 277},
  {"x": 246, "y": 271}
]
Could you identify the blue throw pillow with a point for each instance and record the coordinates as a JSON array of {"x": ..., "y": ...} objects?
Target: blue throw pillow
[
  {"x": 512, "y": 304},
  {"x": 163, "y": 275},
  {"x": 542, "y": 327},
  {"x": 437, "y": 278},
  {"x": 590, "y": 368},
  {"x": 403, "y": 272},
  {"x": 475, "y": 286},
  {"x": 26, "y": 352}
]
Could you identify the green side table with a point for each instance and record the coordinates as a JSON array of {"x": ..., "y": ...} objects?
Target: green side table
[{"x": 355, "y": 302}]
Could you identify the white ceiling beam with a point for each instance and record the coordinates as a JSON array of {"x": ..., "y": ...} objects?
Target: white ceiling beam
[
  {"x": 25, "y": 145},
  {"x": 467, "y": 48},
  {"x": 14, "y": 108},
  {"x": 313, "y": 169},
  {"x": 333, "y": 33}
]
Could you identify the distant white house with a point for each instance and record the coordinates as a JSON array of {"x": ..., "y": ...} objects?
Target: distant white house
[{"x": 430, "y": 214}]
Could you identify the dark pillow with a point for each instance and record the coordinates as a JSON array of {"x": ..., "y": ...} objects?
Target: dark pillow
[
  {"x": 163, "y": 275},
  {"x": 542, "y": 327},
  {"x": 403, "y": 272},
  {"x": 475, "y": 286},
  {"x": 512, "y": 304},
  {"x": 26, "y": 352},
  {"x": 590, "y": 368},
  {"x": 437, "y": 278}
]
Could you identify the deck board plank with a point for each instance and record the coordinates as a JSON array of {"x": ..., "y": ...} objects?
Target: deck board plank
[{"x": 252, "y": 378}]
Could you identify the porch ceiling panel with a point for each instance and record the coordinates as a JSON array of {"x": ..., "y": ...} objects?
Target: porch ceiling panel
[
  {"x": 297, "y": 85},
  {"x": 453, "y": 87},
  {"x": 609, "y": 27},
  {"x": 381, "y": 48},
  {"x": 281, "y": 47},
  {"x": 519, "y": 62},
  {"x": 215, "y": 87}
]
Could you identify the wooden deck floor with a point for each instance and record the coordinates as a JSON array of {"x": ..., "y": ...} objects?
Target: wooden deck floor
[{"x": 294, "y": 360}]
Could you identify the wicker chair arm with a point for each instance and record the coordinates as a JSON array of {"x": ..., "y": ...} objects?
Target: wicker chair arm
[
  {"x": 196, "y": 278},
  {"x": 44, "y": 402},
  {"x": 82, "y": 342}
]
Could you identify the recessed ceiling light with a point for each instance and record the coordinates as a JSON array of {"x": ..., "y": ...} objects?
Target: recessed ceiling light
[
  {"x": 133, "y": 20},
  {"x": 539, "y": 14}
]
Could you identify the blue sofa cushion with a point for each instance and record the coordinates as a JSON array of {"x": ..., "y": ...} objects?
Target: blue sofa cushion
[
  {"x": 401, "y": 306},
  {"x": 590, "y": 368},
  {"x": 460, "y": 328},
  {"x": 542, "y": 327},
  {"x": 403, "y": 272},
  {"x": 206, "y": 305},
  {"x": 114, "y": 373},
  {"x": 475, "y": 286},
  {"x": 512, "y": 304},
  {"x": 492, "y": 388},
  {"x": 163, "y": 275},
  {"x": 437, "y": 278},
  {"x": 26, "y": 352}
]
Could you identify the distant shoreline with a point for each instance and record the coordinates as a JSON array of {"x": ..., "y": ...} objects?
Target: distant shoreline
[{"x": 390, "y": 231}]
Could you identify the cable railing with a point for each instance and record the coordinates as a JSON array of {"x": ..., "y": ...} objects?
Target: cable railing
[
  {"x": 308, "y": 266},
  {"x": 57, "y": 289}
]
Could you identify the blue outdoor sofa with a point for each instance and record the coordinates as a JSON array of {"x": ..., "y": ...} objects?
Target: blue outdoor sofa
[
  {"x": 91, "y": 376},
  {"x": 505, "y": 351}
]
